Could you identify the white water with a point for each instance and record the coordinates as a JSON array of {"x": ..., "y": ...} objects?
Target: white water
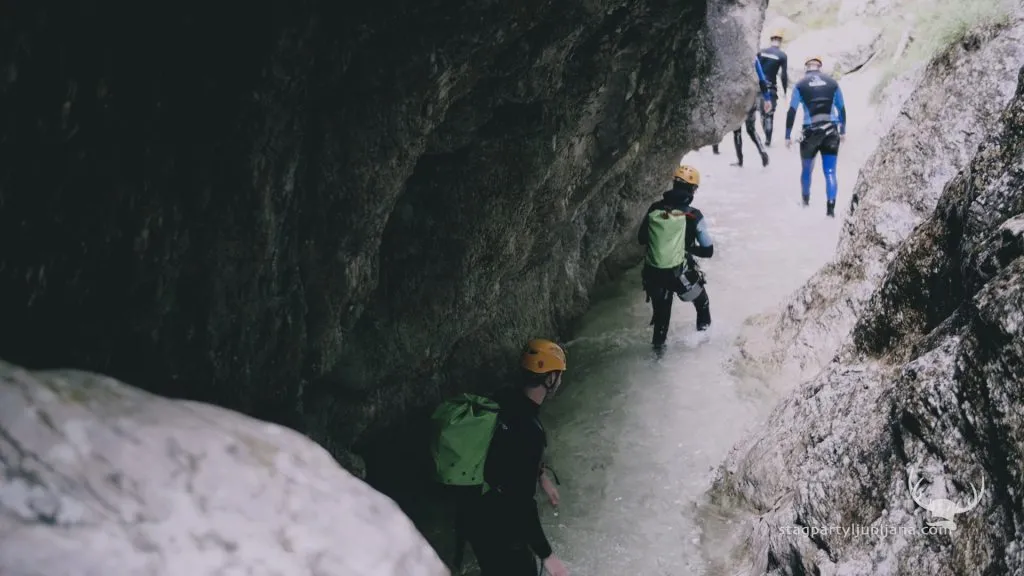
[{"x": 635, "y": 440}]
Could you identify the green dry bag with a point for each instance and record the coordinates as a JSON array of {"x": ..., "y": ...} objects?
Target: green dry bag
[
  {"x": 463, "y": 428},
  {"x": 666, "y": 243}
]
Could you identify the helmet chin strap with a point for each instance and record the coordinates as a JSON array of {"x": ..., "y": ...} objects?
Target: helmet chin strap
[{"x": 550, "y": 387}]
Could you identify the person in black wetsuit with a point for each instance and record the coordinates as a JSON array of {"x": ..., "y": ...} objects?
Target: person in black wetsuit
[
  {"x": 737, "y": 136},
  {"x": 824, "y": 128},
  {"x": 505, "y": 529},
  {"x": 774, "y": 63},
  {"x": 669, "y": 267}
]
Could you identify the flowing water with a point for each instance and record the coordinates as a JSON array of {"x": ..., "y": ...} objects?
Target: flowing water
[{"x": 635, "y": 439}]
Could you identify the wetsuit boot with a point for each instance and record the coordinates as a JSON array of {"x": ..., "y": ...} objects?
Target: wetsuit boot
[
  {"x": 703, "y": 306},
  {"x": 806, "y": 168},
  {"x": 661, "y": 303},
  {"x": 768, "y": 118},
  {"x": 659, "y": 338},
  {"x": 752, "y": 132},
  {"x": 828, "y": 166},
  {"x": 737, "y": 140}
]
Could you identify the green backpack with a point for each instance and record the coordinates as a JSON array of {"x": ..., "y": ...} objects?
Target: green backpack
[
  {"x": 463, "y": 429},
  {"x": 666, "y": 243}
]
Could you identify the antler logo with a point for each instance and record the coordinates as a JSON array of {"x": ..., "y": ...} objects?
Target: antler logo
[{"x": 943, "y": 510}]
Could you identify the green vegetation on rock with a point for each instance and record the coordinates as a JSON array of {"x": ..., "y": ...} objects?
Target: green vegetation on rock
[
  {"x": 808, "y": 14},
  {"x": 934, "y": 26},
  {"x": 913, "y": 31}
]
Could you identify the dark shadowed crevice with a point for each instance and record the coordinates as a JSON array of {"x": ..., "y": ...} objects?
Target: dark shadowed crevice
[{"x": 866, "y": 61}]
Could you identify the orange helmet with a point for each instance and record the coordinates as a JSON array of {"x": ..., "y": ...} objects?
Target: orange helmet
[
  {"x": 778, "y": 33},
  {"x": 814, "y": 59},
  {"x": 687, "y": 174},
  {"x": 542, "y": 356}
]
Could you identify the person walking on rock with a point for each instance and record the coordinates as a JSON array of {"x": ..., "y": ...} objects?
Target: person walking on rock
[
  {"x": 737, "y": 137},
  {"x": 504, "y": 529},
  {"x": 774, "y": 63},
  {"x": 824, "y": 128},
  {"x": 674, "y": 232}
]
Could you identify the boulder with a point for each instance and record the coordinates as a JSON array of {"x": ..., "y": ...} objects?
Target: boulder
[{"x": 103, "y": 479}]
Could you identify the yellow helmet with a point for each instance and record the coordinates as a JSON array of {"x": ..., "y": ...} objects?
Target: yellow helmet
[
  {"x": 778, "y": 33},
  {"x": 542, "y": 356},
  {"x": 687, "y": 174},
  {"x": 814, "y": 59}
]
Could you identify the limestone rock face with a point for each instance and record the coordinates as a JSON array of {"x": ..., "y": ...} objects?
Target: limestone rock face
[
  {"x": 929, "y": 393},
  {"x": 329, "y": 214},
  {"x": 849, "y": 9},
  {"x": 956, "y": 105},
  {"x": 99, "y": 478},
  {"x": 843, "y": 48}
]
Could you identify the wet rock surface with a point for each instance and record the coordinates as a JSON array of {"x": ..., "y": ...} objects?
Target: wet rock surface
[
  {"x": 330, "y": 215},
  {"x": 103, "y": 478},
  {"x": 897, "y": 188},
  {"x": 928, "y": 393}
]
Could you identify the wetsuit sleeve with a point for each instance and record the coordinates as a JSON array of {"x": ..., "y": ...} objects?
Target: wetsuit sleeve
[
  {"x": 794, "y": 103},
  {"x": 840, "y": 105},
  {"x": 762, "y": 81},
  {"x": 705, "y": 246},
  {"x": 784, "y": 63}
]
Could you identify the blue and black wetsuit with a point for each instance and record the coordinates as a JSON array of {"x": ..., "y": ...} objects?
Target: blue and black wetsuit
[
  {"x": 661, "y": 284},
  {"x": 737, "y": 136},
  {"x": 821, "y": 99},
  {"x": 773, "y": 62}
]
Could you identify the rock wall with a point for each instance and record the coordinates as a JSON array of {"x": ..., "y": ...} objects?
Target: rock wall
[
  {"x": 928, "y": 390},
  {"x": 846, "y": 37},
  {"x": 103, "y": 478},
  {"x": 329, "y": 214},
  {"x": 956, "y": 105},
  {"x": 845, "y": 48}
]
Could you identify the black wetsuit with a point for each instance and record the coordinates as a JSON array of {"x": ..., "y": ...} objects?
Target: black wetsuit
[
  {"x": 504, "y": 529},
  {"x": 661, "y": 284},
  {"x": 773, "y": 63},
  {"x": 737, "y": 135}
]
